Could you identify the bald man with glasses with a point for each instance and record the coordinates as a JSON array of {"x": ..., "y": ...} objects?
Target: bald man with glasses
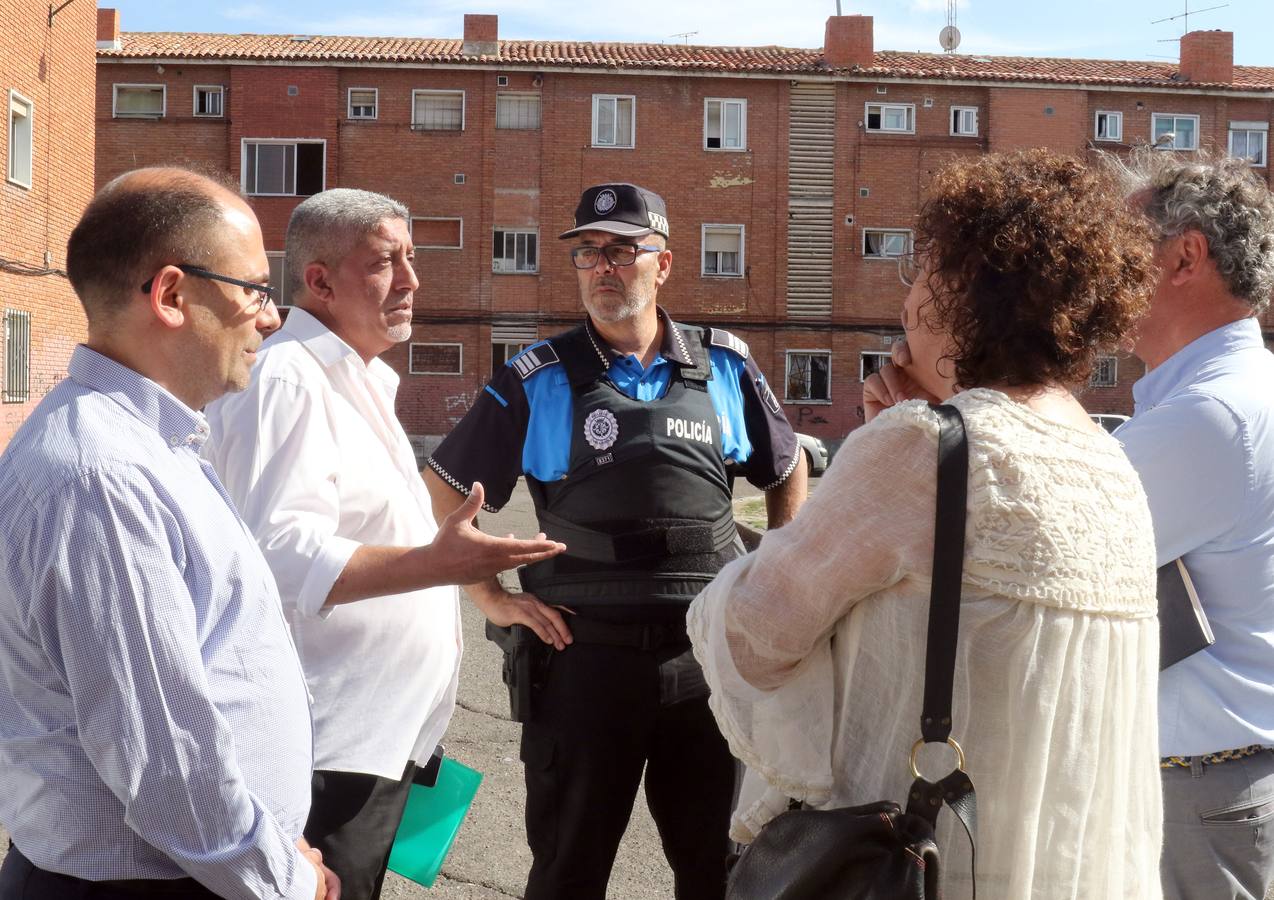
[{"x": 154, "y": 723}]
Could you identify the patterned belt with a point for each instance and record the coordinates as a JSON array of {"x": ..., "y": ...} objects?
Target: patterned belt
[{"x": 1211, "y": 759}]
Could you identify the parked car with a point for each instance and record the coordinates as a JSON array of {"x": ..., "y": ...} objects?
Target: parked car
[
  {"x": 815, "y": 453},
  {"x": 1109, "y": 421}
]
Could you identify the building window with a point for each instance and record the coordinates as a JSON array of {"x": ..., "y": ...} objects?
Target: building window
[
  {"x": 614, "y": 120},
  {"x": 1248, "y": 140},
  {"x": 515, "y": 250},
  {"x": 896, "y": 117},
  {"x": 725, "y": 124},
  {"x": 437, "y": 110},
  {"x": 436, "y": 359},
  {"x": 21, "y": 144},
  {"x": 17, "y": 356},
  {"x": 1173, "y": 132},
  {"x": 279, "y": 278},
  {"x": 518, "y": 112},
  {"x": 886, "y": 243},
  {"x": 870, "y": 362},
  {"x": 508, "y": 339},
  {"x": 964, "y": 121},
  {"x": 283, "y": 168},
  {"x": 1109, "y": 126},
  {"x": 809, "y": 375},
  {"x": 723, "y": 250},
  {"x": 140, "y": 101},
  {"x": 1106, "y": 373},
  {"x": 210, "y": 100},
  {"x": 362, "y": 103},
  {"x": 437, "y": 233}
]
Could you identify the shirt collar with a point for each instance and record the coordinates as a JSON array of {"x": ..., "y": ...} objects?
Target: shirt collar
[
  {"x": 1184, "y": 366},
  {"x": 175, "y": 422},
  {"x": 329, "y": 348},
  {"x": 673, "y": 347}
]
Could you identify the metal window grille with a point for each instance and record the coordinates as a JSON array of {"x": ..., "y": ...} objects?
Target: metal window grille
[
  {"x": 1106, "y": 374},
  {"x": 808, "y": 376},
  {"x": 439, "y": 111},
  {"x": 517, "y": 111},
  {"x": 17, "y": 356}
]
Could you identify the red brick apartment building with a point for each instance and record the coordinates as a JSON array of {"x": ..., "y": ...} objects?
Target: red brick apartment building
[
  {"x": 46, "y": 78},
  {"x": 792, "y": 176}
]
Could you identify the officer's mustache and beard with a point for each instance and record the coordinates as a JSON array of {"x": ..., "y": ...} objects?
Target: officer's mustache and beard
[{"x": 623, "y": 303}]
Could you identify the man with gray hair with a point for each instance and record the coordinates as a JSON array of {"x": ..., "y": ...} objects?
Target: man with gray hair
[
  {"x": 1202, "y": 440},
  {"x": 322, "y": 472}
]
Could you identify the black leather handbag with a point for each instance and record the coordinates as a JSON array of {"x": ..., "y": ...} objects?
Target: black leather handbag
[{"x": 882, "y": 851}]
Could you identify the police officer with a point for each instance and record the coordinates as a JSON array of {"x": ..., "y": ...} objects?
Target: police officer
[{"x": 628, "y": 430}]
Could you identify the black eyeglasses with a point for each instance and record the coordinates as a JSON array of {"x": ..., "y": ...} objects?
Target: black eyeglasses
[
  {"x": 260, "y": 294},
  {"x": 587, "y": 257}
]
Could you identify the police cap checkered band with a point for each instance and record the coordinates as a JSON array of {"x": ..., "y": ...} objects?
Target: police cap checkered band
[{"x": 623, "y": 209}]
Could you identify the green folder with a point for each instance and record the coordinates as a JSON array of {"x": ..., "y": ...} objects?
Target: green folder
[{"x": 431, "y": 822}]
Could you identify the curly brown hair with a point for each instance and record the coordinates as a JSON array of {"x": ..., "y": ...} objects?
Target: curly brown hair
[{"x": 1036, "y": 265}]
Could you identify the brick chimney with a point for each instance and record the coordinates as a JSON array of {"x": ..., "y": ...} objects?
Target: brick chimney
[
  {"x": 481, "y": 35},
  {"x": 848, "y": 42},
  {"x": 108, "y": 29},
  {"x": 1208, "y": 56}
]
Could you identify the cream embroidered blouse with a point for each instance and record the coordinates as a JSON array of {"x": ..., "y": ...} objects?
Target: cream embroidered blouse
[{"x": 814, "y": 649}]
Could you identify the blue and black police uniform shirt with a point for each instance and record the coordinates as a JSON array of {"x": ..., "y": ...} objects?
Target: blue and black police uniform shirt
[{"x": 521, "y": 422}]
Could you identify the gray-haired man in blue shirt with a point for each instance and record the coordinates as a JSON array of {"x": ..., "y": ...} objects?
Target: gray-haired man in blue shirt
[
  {"x": 155, "y": 732},
  {"x": 1202, "y": 439}
]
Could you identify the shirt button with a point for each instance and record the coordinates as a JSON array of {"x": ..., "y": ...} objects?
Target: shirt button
[{"x": 174, "y": 441}]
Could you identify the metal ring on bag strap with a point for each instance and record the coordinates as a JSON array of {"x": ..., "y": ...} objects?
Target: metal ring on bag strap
[{"x": 915, "y": 749}]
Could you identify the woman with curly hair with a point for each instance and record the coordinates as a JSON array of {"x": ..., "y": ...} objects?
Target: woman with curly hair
[{"x": 1029, "y": 267}]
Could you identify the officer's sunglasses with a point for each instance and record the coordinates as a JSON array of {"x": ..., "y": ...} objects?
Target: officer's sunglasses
[
  {"x": 260, "y": 294},
  {"x": 586, "y": 257}
]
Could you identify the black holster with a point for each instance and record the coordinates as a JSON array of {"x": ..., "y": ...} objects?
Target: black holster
[{"x": 525, "y": 659}]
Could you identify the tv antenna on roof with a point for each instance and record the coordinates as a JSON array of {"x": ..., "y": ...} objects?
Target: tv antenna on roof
[
  {"x": 684, "y": 35},
  {"x": 949, "y": 37},
  {"x": 1186, "y": 16}
]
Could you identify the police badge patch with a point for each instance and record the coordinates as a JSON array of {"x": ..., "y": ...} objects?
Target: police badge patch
[
  {"x": 601, "y": 429},
  {"x": 605, "y": 202}
]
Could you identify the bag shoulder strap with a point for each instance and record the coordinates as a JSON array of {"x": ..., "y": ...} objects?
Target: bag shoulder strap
[{"x": 927, "y": 798}]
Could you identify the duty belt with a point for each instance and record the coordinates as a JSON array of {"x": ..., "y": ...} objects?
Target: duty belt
[
  {"x": 639, "y": 637},
  {"x": 673, "y": 540}
]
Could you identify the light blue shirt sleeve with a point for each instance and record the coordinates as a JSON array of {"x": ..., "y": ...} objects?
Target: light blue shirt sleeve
[
  {"x": 129, "y": 655},
  {"x": 1189, "y": 452},
  {"x": 727, "y": 369}
]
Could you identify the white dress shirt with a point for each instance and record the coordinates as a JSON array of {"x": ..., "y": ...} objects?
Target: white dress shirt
[
  {"x": 318, "y": 465},
  {"x": 1202, "y": 440}
]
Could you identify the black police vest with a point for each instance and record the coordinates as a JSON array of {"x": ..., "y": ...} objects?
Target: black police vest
[{"x": 645, "y": 506}]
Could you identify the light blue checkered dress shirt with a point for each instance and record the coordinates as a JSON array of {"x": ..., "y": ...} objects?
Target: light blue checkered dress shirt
[{"x": 154, "y": 720}]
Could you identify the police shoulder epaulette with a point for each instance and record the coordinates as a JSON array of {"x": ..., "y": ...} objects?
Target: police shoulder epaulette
[
  {"x": 719, "y": 337},
  {"x": 532, "y": 359}
]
